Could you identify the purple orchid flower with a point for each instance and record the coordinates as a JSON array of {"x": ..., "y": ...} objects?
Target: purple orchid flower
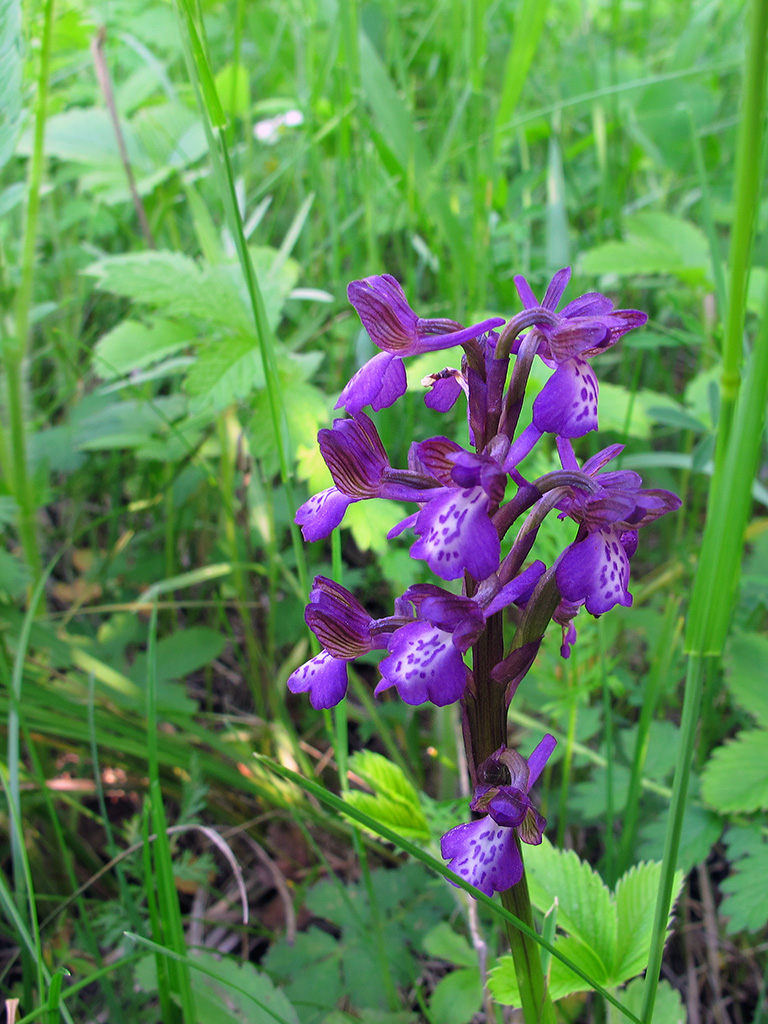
[
  {"x": 567, "y": 404},
  {"x": 454, "y": 528},
  {"x": 394, "y": 327},
  {"x": 594, "y": 570},
  {"x": 425, "y": 661},
  {"x": 358, "y": 463},
  {"x": 324, "y": 677},
  {"x": 485, "y": 852}
]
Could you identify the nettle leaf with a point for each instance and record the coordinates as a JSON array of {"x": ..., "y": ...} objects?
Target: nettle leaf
[
  {"x": 745, "y": 659},
  {"x": 736, "y": 776},
  {"x": 225, "y": 371},
  {"x": 394, "y": 800},
  {"x": 609, "y": 935},
  {"x": 134, "y": 345},
  {"x": 746, "y": 894}
]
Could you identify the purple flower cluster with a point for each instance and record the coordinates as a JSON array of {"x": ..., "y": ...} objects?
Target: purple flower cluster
[{"x": 467, "y": 501}]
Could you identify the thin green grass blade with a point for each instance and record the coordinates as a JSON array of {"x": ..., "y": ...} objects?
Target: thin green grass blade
[
  {"x": 167, "y": 896},
  {"x": 86, "y": 982},
  {"x": 530, "y": 20},
  {"x": 347, "y": 810},
  {"x": 54, "y": 995},
  {"x": 199, "y": 70}
]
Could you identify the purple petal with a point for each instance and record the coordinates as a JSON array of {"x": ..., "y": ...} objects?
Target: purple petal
[
  {"x": 338, "y": 620},
  {"x": 383, "y": 308},
  {"x": 573, "y": 337},
  {"x": 509, "y": 807},
  {"x": 539, "y": 758},
  {"x": 595, "y": 570},
  {"x": 423, "y": 665},
  {"x": 434, "y": 342},
  {"x": 443, "y": 392},
  {"x": 483, "y": 854},
  {"x": 591, "y": 304},
  {"x": 567, "y": 404},
  {"x": 527, "y": 297},
  {"x": 378, "y": 383},
  {"x": 555, "y": 288},
  {"x": 456, "y": 535},
  {"x": 521, "y": 585},
  {"x": 355, "y": 456},
  {"x": 404, "y": 524},
  {"x": 319, "y": 516},
  {"x": 324, "y": 676}
]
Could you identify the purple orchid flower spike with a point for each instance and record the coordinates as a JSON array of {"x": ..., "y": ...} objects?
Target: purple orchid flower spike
[
  {"x": 323, "y": 677},
  {"x": 485, "y": 852},
  {"x": 394, "y": 327}
]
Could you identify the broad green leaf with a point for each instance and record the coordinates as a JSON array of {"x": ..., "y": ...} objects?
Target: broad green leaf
[
  {"x": 656, "y": 243},
  {"x": 370, "y": 521},
  {"x": 457, "y": 997},
  {"x": 562, "y": 981},
  {"x": 736, "y": 776},
  {"x": 446, "y": 944},
  {"x": 233, "y": 89},
  {"x": 308, "y": 972},
  {"x": 701, "y": 830},
  {"x": 394, "y": 801},
  {"x": 746, "y": 893},
  {"x": 584, "y": 901},
  {"x": 635, "y": 907},
  {"x": 746, "y": 657},
  {"x": 132, "y": 345},
  {"x": 225, "y": 371},
  {"x": 14, "y": 575},
  {"x": 668, "y": 1008}
]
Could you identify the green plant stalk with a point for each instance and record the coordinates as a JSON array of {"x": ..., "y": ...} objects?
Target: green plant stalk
[
  {"x": 214, "y": 124},
  {"x": 670, "y": 635},
  {"x": 573, "y": 711},
  {"x": 15, "y": 353},
  {"x": 346, "y": 810},
  {"x": 538, "y": 1008},
  {"x": 168, "y": 900},
  {"x": 747, "y": 186},
  {"x": 694, "y": 684},
  {"x": 610, "y": 840}
]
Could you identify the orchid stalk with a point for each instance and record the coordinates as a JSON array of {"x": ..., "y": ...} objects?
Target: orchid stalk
[{"x": 476, "y": 519}]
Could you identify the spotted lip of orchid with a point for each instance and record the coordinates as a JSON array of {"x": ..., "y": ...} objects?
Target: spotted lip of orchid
[
  {"x": 594, "y": 570},
  {"x": 485, "y": 852}
]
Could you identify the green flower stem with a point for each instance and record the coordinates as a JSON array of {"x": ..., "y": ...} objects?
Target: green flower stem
[
  {"x": 15, "y": 353},
  {"x": 694, "y": 685},
  {"x": 746, "y": 190},
  {"x": 538, "y": 1008}
]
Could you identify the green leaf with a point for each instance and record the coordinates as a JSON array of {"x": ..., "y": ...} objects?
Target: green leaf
[
  {"x": 233, "y": 89},
  {"x": 746, "y": 656},
  {"x": 446, "y": 944},
  {"x": 308, "y": 972},
  {"x": 11, "y": 65},
  {"x": 635, "y": 907},
  {"x": 656, "y": 243},
  {"x": 701, "y": 830},
  {"x": 133, "y": 345},
  {"x": 584, "y": 901},
  {"x": 224, "y": 372},
  {"x": 457, "y": 997},
  {"x": 746, "y": 894},
  {"x": 370, "y": 522},
  {"x": 736, "y": 775},
  {"x": 668, "y": 1008},
  {"x": 15, "y": 576},
  {"x": 394, "y": 801}
]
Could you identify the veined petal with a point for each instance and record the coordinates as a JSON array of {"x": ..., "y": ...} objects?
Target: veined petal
[
  {"x": 324, "y": 676},
  {"x": 484, "y": 854}
]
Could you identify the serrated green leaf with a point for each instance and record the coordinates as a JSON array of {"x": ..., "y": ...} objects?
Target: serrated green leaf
[
  {"x": 457, "y": 997},
  {"x": 736, "y": 775},
  {"x": 133, "y": 345},
  {"x": 562, "y": 981},
  {"x": 668, "y": 1008},
  {"x": 745, "y": 903},
  {"x": 584, "y": 909},
  {"x": 225, "y": 371},
  {"x": 635, "y": 899},
  {"x": 394, "y": 801},
  {"x": 746, "y": 656}
]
